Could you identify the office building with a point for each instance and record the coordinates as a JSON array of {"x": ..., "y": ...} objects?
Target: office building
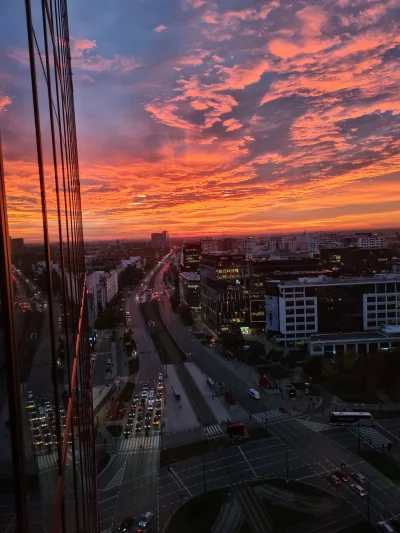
[
  {"x": 368, "y": 240},
  {"x": 47, "y": 462},
  {"x": 299, "y": 309},
  {"x": 357, "y": 261},
  {"x": 191, "y": 252},
  {"x": 189, "y": 289},
  {"x": 17, "y": 247},
  {"x": 110, "y": 281},
  {"x": 224, "y": 293}
]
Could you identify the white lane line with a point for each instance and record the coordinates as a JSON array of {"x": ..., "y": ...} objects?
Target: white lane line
[
  {"x": 247, "y": 461},
  {"x": 107, "y": 499},
  {"x": 178, "y": 480}
]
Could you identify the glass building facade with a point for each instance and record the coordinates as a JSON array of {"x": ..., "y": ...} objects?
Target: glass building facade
[{"x": 48, "y": 468}]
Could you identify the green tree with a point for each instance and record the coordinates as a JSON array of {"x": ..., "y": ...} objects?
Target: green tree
[
  {"x": 129, "y": 277},
  {"x": 186, "y": 315},
  {"x": 174, "y": 301}
]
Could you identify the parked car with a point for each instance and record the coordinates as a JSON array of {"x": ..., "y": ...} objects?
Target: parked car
[{"x": 284, "y": 410}]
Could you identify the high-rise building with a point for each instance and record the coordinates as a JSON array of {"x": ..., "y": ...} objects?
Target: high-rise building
[
  {"x": 191, "y": 252},
  {"x": 47, "y": 461},
  {"x": 357, "y": 261},
  {"x": 160, "y": 241}
]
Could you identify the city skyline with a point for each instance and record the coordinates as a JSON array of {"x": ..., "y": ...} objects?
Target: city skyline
[{"x": 205, "y": 118}]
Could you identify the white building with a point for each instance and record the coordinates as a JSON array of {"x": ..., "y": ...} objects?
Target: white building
[
  {"x": 298, "y": 309},
  {"x": 371, "y": 241},
  {"x": 110, "y": 280}
]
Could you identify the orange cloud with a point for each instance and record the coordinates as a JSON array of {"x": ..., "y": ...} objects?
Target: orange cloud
[
  {"x": 78, "y": 46},
  {"x": 4, "y": 102},
  {"x": 232, "y": 124}
]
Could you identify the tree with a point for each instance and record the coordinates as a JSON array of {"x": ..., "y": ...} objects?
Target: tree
[
  {"x": 174, "y": 301},
  {"x": 186, "y": 315},
  {"x": 131, "y": 276},
  {"x": 232, "y": 338}
]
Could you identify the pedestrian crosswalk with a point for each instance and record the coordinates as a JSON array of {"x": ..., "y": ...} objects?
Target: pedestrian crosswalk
[
  {"x": 273, "y": 416},
  {"x": 372, "y": 436},
  {"x": 136, "y": 444},
  {"x": 315, "y": 426},
  {"x": 47, "y": 461},
  {"x": 213, "y": 432}
]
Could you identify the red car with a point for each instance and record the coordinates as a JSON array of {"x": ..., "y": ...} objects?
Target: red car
[
  {"x": 333, "y": 479},
  {"x": 341, "y": 475}
]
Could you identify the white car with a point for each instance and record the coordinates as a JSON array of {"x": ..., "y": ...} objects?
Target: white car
[
  {"x": 358, "y": 490},
  {"x": 151, "y": 394},
  {"x": 254, "y": 394},
  {"x": 145, "y": 520},
  {"x": 160, "y": 377}
]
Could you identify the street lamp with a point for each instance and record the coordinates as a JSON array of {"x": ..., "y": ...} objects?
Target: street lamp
[{"x": 287, "y": 463}]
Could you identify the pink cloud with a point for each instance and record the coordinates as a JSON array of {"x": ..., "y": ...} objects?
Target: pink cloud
[
  {"x": 232, "y": 124},
  {"x": 241, "y": 76},
  {"x": 97, "y": 63},
  {"x": 4, "y": 102},
  {"x": 313, "y": 19},
  {"x": 167, "y": 114},
  {"x": 79, "y": 46},
  {"x": 160, "y": 28}
]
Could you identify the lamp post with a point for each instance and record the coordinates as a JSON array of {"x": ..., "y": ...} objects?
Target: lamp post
[
  {"x": 204, "y": 473},
  {"x": 359, "y": 442},
  {"x": 287, "y": 463},
  {"x": 369, "y": 501}
]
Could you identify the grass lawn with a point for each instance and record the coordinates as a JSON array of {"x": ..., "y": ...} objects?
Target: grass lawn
[
  {"x": 103, "y": 462},
  {"x": 383, "y": 463},
  {"x": 385, "y": 414},
  {"x": 115, "y": 430},
  {"x": 258, "y": 433},
  {"x": 180, "y": 453},
  {"x": 283, "y": 517},
  {"x": 199, "y": 514},
  {"x": 297, "y": 487},
  {"x": 361, "y": 527},
  {"x": 245, "y": 528},
  {"x": 127, "y": 392}
]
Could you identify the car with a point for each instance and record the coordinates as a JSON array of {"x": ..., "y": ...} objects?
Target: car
[
  {"x": 130, "y": 422},
  {"x": 358, "y": 477},
  {"x": 105, "y": 337},
  {"x": 144, "y": 394},
  {"x": 160, "y": 387},
  {"x": 126, "y": 524},
  {"x": 138, "y": 426},
  {"x": 254, "y": 394},
  {"x": 140, "y": 410},
  {"x": 333, "y": 479},
  {"x": 48, "y": 440},
  {"x": 159, "y": 395},
  {"x": 127, "y": 430},
  {"x": 135, "y": 399},
  {"x": 384, "y": 526},
  {"x": 158, "y": 412},
  {"x": 158, "y": 404},
  {"x": 109, "y": 361},
  {"x": 140, "y": 418},
  {"x": 132, "y": 413},
  {"x": 358, "y": 489},
  {"x": 30, "y": 404},
  {"x": 284, "y": 410},
  {"x": 151, "y": 394},
  {"x": 145, "y": 520},
  {"x": 150, "y": 405},
  {"x": 341, "y": 475},
  {"x": 30, "y": 395},
  {"x": 160, "y": 377},
  {"x": 147, "y": 423},
  {"x": 156, "y": 421}
]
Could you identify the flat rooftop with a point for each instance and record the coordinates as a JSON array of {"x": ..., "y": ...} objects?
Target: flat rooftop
[
  {"x": 362, "y": 336},
  {"x": 353, "y": 280}
]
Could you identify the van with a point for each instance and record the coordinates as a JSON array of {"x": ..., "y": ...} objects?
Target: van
[
  {"x": 210, "y": 382},
  {"x": 254, "y": 394}
]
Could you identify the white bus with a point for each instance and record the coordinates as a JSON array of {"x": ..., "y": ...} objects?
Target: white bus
[{"x": 351, "y": 417}]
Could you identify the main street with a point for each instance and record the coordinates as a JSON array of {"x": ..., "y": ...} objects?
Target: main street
[{"x": 129, "y": 485}]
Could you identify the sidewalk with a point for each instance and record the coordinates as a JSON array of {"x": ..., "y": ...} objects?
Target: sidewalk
[
  {"x": 178, "y": 414},
  {"x": 215, "y": 404}
]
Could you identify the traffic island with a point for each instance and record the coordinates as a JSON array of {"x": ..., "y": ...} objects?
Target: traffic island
[
  {"x": 102, "y": 463},
  {"x": 264, "y": 506}
]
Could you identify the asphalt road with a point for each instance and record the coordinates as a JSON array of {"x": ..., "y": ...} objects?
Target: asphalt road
[
  {"x": 99, "y": 374},
  {"x": 310, "y": 457},
  {"x": 129, "y": 485}
]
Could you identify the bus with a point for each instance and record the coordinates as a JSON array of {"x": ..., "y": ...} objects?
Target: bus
[{"x": 351, "y": 417}]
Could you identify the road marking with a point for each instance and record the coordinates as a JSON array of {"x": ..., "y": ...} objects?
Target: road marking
[
  {"x": 117, "y": 479},
  {"x": 214, "y": 431},
  {"x": 247, "y": 461},
  {"x": 107, "y": 499},
  {"x": 178, "y": 480},
  {"x": 315, "y": 426}
]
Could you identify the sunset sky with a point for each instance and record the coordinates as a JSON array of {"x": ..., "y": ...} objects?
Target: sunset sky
[{"x": 203, "y": 117}]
